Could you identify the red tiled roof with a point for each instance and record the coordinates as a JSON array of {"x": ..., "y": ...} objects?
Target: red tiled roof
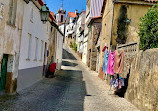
[
  {"x": 51, "y": 15},
  {"x": 96, "y": 17},
  {"x": 72, "y": 14}
]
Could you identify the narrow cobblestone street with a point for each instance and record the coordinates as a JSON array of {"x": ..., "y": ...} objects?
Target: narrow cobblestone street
[{"x": 74, "y": 88}]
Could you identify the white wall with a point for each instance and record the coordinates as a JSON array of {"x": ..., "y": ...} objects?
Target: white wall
[
  {"x": 78, "y": 31},
  {"x": 85, "y": 41},
  {"x": 59, "y": 50},
  {"x": 62, "y": 27},
  {"x": 37, "y": 29},
  {"x": 58, "y": 17}
]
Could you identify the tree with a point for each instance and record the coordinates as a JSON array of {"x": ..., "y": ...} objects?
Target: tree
[{"x": 148, "y": 29}]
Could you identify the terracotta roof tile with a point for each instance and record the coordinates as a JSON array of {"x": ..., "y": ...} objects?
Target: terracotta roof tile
[
  {"x": 72, "y": 14},
  {"x": 51, "y": 15}
]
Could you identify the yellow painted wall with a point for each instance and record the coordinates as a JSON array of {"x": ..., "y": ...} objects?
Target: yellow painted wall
[
  {"x": 106, "y": 27},
  {"x": 134, "y": 12}
]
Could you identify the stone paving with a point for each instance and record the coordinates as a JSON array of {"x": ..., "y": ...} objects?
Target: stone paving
[{"x": 74, "y": 88}]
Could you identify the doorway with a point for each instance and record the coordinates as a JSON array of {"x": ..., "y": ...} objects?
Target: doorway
[
  {"x": 3, "y": 72},
  {"x": 44, "y": 60}
]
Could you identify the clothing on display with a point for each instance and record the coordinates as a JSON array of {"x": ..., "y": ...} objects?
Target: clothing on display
[
  {"x": 118, "y": 65},
  {"x": 105, "y": 62},
  {"x": 111, "y": 61}
]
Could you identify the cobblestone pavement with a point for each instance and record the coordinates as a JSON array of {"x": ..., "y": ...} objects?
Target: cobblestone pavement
[{"x": 74, "y": 88}]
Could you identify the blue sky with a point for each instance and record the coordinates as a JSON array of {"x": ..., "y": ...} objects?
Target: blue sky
[{"x": 68, "y": 5}]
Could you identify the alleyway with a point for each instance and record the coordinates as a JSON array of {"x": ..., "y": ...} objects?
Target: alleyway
[{"x": 74, "y": 88}]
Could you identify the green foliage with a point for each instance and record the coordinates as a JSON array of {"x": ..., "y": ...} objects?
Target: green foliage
[
  {"x": 122, "y": 26},
  {"x": 75, "y": 46},
  {"x": 71, "y": 45},
  {"x": 148, "y": 29}
]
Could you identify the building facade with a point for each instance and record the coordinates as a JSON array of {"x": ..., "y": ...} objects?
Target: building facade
[
  {"x": 11, "y": 22},
  {"x": 86, "y": 32},
  {"x": 69, "y": 26},
  {"x": 94, "y": 32},
  {"x": 80, "y": 32},
  {"x": 34, "y": 44}
]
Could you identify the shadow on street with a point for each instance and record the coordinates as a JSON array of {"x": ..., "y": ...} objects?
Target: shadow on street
[
  {"x": 65, "y": 92},
  {"x": 66, "y": 63}
]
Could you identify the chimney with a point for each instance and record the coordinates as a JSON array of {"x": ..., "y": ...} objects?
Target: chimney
[{"x": 76, "y": 11}]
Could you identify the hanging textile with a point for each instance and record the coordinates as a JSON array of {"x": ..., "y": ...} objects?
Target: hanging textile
[
  {"x": 104, "y": 49},
  {"x": 111, "y": 60},
  {"x": 118, "y": 65},
  {"x": 105, "y": 61}
]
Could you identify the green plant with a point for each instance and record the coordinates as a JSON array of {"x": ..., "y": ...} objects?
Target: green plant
[
  {"x": 75, "y": 46},
  {"x": 148, "y": 29},
  {"x": 122, "y": 26},
  {"x": 71, "y": 46}
]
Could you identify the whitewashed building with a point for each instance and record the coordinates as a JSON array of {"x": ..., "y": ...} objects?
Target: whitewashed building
[
  {"x": 34, "y": 42},
  {"x": 69, "y": 28},
  {"x": 80, "y": 31},
  {"x": 85, "y": 40},
  {"x": 59, "y": 49}
]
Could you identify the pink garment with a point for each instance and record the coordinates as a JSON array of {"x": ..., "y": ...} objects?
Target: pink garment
[
  {"x": 111, "y": 61},
  {"x": 118, "y": 67}
]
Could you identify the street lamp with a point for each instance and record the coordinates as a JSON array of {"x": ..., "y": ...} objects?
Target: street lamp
[{"x": 44, "y": 13}]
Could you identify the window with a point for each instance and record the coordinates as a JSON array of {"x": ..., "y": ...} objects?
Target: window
[
  {"x": 29, "y": 46},
  {"x": 36, "y": 49},
  {"x": 62, "y": 18},
  {"x": 31, "y": 17},
  {"x": 42, "y": 46},
  {"x": 12, "y": 12}
]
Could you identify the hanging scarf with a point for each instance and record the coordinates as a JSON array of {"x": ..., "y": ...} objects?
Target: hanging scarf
[
  {"x": 118, "y": 66},
  {"x": 105, "y": 62},
  {"x": 111, "y": 60}
]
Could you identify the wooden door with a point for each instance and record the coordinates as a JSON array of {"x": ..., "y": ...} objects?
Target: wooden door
[{"x": 3, "y": 71}]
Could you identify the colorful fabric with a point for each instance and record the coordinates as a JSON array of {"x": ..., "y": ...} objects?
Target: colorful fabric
[
  {"x": 105, "y": 62},
  {"x": 118, "y": 65},
  {"x": 111, "y": 61},
  {"x": 104, "y": 49}
]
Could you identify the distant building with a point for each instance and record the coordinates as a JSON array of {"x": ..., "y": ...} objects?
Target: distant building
[
  {"x": 94, "y": 27},
  {"x": 86, "y": 32},
  {"x": 69, "y": 28},
  {"x": 80, "y": 32},
  {"x": 60, "y": 16}
]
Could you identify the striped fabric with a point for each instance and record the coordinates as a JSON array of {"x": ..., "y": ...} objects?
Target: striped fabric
[{"x": 96, "y": 7}]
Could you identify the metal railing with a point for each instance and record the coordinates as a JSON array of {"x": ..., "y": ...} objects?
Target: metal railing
[{"x": 130, "y": 49}]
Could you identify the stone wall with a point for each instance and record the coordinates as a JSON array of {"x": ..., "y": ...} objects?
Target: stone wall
[{"x": 143, "y": 82}]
